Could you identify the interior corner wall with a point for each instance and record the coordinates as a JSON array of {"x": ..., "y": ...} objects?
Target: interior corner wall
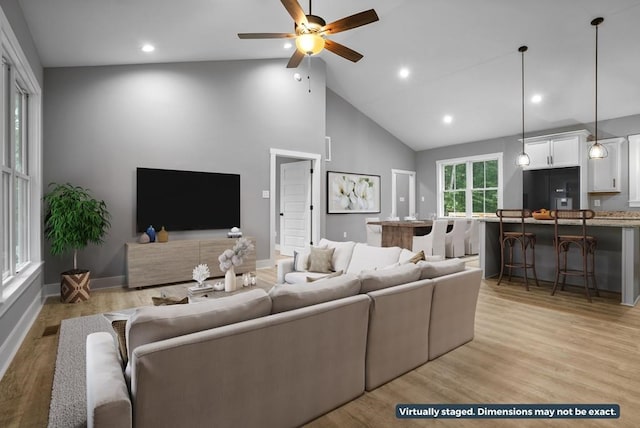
[
  {"x": 359, "y": 145},
  {"x": 100, "y": 123}
]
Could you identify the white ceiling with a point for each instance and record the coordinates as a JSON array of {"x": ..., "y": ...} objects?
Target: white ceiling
[{"x": 463, "y": 54}]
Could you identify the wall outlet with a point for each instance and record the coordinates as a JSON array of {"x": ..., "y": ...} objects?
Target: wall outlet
[
  {"x": 401, "y": 198},
  {"x": 265, "y": 194},
  {"x": 596, "y": 202},
  {"x": 422, "y": 198},
  {"x": 344, "y": 234}
]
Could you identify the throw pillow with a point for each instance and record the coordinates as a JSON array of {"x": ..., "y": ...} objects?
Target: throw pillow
[
  {"x": 331, "y": 275},
  {"x": 300, "y": 261},
  {"x": 419, "y": 256},
  {"x": 119, "y": 325},
  {"x": 164, "y": 301},
  {"x": 320, "y": 260}
]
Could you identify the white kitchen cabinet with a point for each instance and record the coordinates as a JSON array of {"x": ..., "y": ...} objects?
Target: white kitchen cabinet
[
  {"x": 604, "y": 174},
  {"x": 555, "y": 151},
  {"x": 634, "y": 170}
]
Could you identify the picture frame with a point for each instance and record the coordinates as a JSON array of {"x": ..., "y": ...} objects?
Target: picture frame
[{"x": 352, "y": 193}]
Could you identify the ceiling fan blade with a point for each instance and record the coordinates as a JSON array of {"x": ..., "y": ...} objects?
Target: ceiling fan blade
[
  {"x": 342, "y": 50},
  {"x": 353, "y": 21},
  {"x": 295, "y": 10},
  {"x": 266, "y": 35},
  {"x": 295, "y": 59}
]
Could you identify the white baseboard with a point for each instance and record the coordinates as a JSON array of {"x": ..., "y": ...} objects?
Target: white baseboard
[
  {"x": 263, "y": 264},
  {"x": 96, "y": 284},
  {"x": 10, "y": 346}
]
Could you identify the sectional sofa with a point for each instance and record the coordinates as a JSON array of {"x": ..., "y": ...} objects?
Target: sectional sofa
[{"x": 282, "y": 358}]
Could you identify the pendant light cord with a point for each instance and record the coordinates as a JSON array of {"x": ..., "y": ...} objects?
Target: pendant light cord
[
  {"x": 596, "y": 118},
  {"x": 523, "y": 51}
]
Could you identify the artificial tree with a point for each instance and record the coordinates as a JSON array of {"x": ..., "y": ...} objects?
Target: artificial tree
[{"x": 72, "y": 221}]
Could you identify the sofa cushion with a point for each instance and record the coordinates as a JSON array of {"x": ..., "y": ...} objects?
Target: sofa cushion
[
  {"x": 153, "y": 323},
  {"x": 320, "y": 259},
  {"x": 286, "y": 297},
  {"x": 440, "y": 268},
  {"x": 384, "y": 278},
  {"x": 341, "y": 255},
  {"x": 366, "y": 257},
  {"x": 331, "y": 275},
  {"x": 298, "y": 277}
]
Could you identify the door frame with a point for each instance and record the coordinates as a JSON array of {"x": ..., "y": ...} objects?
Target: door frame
[
  {"x": 412, "y": 190},
  {"x": 315, "y": 194}
]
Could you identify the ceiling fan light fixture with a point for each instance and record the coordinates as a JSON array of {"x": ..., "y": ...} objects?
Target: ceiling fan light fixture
[{"x": 309, "y": 43}]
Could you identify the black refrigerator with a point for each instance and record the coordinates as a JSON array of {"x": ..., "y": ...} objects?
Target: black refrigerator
[{"x": 555, "y": 188}]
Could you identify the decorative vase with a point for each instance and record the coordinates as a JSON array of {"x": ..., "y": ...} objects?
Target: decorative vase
[
  {"x": 163, "y": 235},
  {"x": 144, "y": 238},
  {"x": 152, "y": 234},
  {"x": 230, "y": 280}
]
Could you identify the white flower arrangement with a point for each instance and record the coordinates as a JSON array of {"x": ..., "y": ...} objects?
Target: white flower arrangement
[
  {"x": 350, "y": 194},
  {"x": 234, "y": 256},
  {"x": 200, "y": 273}
]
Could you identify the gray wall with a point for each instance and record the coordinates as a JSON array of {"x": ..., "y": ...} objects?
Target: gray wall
[
  {"x": 100, "y": 123},
  {"x": 512, "y": 175},
  {"x": 360, "y": 145}
]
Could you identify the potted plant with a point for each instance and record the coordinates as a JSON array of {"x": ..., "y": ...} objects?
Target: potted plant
[{"x": 73, "y": 220}]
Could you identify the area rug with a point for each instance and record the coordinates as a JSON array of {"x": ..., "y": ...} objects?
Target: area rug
[{"x": 68, "y": 406}]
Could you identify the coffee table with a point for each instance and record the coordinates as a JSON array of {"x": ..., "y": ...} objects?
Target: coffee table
[{"x": 260, "y": 283}]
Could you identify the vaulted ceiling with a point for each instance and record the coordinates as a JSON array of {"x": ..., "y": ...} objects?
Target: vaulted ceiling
[{"x": 462, "y": 55}]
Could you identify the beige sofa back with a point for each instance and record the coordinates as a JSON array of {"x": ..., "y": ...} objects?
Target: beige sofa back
[
  {"x": 398, "y": 337},
  {"x": 453, "y": 310},
  {"x": 276, "y": 371}
]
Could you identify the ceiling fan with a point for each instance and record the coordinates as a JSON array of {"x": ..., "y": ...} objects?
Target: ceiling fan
[{"x": 311, "y": 31}]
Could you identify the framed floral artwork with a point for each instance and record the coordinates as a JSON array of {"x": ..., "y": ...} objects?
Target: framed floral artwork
[{"x": 349, "y": 193}]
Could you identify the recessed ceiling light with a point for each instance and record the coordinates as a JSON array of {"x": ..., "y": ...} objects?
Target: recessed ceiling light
[
  {"x": 536, "y": 98},
  {"x": 447, "y": 119},
  {"x": 288, "y": 45},
  {"x": 404, "y": 73},
  {"x": 148, "y": 48}
]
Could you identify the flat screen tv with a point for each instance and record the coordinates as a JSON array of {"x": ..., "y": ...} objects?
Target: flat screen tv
[{"x": 186, "y": 200}]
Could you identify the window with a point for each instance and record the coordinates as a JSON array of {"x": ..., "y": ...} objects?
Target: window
[
  {"x": 20, "y": 167},
  {"x": 470, "y": 187}
]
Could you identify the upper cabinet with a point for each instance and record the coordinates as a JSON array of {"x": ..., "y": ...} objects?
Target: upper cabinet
[
  {"x": 556, "y": 150},
  {"x": 634, "y": 170},
  {"x": 604, "y": 174}
]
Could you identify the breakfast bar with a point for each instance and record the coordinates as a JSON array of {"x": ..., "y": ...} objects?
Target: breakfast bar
[{"x": 617, "y": 254}]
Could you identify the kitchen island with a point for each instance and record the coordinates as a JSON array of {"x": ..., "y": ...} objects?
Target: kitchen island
[{"x": 617, "y": 255}]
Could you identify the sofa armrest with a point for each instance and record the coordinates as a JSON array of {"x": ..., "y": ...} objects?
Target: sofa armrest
[
  {"x": 284, "y": 266},
  {"x": 108, "y": 401}
]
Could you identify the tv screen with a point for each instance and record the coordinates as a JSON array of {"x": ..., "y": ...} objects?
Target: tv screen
[{"x": 186, "y": 200}]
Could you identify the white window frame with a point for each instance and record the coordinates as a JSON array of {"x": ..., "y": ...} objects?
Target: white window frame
[
  {"x": 468, "y": 160},
  {"x": 21, "y": 74}
]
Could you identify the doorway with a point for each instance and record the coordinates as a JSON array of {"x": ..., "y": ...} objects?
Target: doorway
[
  {"x": 403, "y": 193},
  {"x": 311, "y": 162}
]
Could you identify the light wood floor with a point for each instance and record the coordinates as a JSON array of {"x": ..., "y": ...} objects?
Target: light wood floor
[{"x": 529, "y": 348}]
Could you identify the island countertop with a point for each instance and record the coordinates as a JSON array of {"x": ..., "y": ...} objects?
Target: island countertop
[{"x": 597, "y": 221}]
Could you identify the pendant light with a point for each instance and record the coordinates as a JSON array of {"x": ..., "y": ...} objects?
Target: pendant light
[
  {"x": 523, "y": 158},
  {"x": 597, "y": 150}
]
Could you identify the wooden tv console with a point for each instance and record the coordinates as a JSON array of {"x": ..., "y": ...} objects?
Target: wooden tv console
[{"x": 158, "y": 263}]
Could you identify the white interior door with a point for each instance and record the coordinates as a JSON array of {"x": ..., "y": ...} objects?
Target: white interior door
[{"x": 295, "y": 204}]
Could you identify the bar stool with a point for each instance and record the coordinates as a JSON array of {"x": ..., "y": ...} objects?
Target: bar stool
[
  {"x": 587, "y": 245},
  {"x": 525, "y": 240}
]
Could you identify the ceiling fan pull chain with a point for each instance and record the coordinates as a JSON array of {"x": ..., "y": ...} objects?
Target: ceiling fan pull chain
[{"x": 309, "y": 68}]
